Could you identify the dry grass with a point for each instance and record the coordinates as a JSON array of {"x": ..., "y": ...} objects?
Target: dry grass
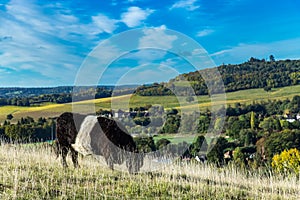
[{"x": 32, "y": 172}]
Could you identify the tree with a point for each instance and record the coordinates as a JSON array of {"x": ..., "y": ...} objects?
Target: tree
[
  {"x": 252, "y": 59},
  {"x": 162, "y": 143},
  {"x": 173, "y": 111},
  {"x": 247, "y": 137},
  {"x": 9, "y": 116},
  {"x": 188, "y": 123},
  {"x": 219, "y": 123},
  {"x": 295, "y": 104},
  {"x": 13, "y": 132},
  {"x": 272, "y": 58},
  {"x": 145, "y": 144},
  {"x": 252, "y": 120},
  {"x": 203, "y": 124},
  {"x": 198, "y": 145},
  {"x": 171, "y": 125},
  {"x": 234, "y": 128},
  {"x": 239, "y": 157},
  {"x": 295, "y": 76},
  {"x": 41, "y": 121},
  {"x": 279, "y": 141},
  {"x": 287, "y": 161},
  {"x": 216, "y": 155},
  {"x": 269, "y": 124},
  {"x": 267, "y": 88},
  {"x": 142, "y": 121}
]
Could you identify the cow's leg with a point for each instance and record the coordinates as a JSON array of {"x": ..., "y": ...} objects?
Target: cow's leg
[
  {"x": 129, "y": 166},
  {"x": 64, "y": 153},
  {"x": 74, "y": 157},
  {"x": 132, "y": 163},
  {"x": 110, "y": 162}
]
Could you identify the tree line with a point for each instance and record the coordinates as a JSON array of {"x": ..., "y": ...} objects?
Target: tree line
[
  {"x": 28, "y": 130},
  {"x": 67, "y": 97},
  {"x": 254, "y": 73}
]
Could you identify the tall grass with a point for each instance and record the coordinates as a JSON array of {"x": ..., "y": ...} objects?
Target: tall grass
[{"x": 33, "y": 172}]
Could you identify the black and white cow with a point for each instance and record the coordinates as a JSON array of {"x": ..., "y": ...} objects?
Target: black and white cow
[{"x": 98, "y": 136}]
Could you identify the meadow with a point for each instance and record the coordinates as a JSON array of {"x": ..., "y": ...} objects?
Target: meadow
[
  {"x": 126, "y": 101},
  {"x": 33, "y": 172},
  {"x": 176, "y": 138}
]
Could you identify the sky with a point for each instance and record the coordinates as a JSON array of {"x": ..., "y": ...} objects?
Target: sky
[{"x": 53, "y": 43}]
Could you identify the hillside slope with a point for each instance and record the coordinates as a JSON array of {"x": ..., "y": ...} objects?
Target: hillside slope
[{"x": 249, "y": 75}]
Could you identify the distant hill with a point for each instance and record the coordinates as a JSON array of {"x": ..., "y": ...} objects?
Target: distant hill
[
  {"x": 21, "y": 92},
  {"x": 254, "y": 73},
  {"x": 19, "y": 96}
]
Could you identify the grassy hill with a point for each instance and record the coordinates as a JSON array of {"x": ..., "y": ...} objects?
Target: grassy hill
[
  {"x": 33, "y": 172},
  {"x": 52, "y": 110}
]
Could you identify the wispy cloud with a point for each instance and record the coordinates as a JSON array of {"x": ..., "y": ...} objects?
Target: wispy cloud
[
  {"x": 205, "y": 32},
  {"x": 132, "y": 1},
  {"x": 47, "y": 39},
  {"x": 280, "y": 49},
  {"x": 186, "y": 4},
  {"x": 104, "y": 23},
  {"x": 34, "y": 42},
  {"x": 147, "y": 74},
  {"x": 157, "y": 38},
  {"x": 4, "y": 71},
  {"x": 135, "y": 15}
]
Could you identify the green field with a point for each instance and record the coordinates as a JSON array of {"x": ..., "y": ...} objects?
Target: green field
[
  {"x": 126, "y": 101},
  {"x": 176, "y": 138}
]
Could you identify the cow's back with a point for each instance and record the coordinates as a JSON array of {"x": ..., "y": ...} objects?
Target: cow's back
[{"x": 117, "y": 134}]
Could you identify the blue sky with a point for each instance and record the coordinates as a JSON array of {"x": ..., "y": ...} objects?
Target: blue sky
[{"x": 44, "y": 43}]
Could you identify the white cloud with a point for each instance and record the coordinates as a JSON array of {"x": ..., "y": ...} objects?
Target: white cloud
[
  {"x": 241, "y": 53},
  {"x": 134, "y": 16},
  {"x": 131, "y": 1},
  {"x": 146, "y": 56},
  {"x": 199, "y": 52},
  {"x": 4, "y": 71},
  {"x": 38, "y": 43},
  {"x": 205, "y": 32},
  {"x": 149, "y": 73},
  {"x": 157, "y": 38},
  {"x": 48, "y": 40},
  {"x": 26, "y": 13},
  {"x": 186, "y": 4},
  {"x": 96, "y": 63},
  {"x": 104, "y": 23}
]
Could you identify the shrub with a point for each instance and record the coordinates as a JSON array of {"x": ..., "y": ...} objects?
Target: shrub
[{"x": 287, "y": 161}]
